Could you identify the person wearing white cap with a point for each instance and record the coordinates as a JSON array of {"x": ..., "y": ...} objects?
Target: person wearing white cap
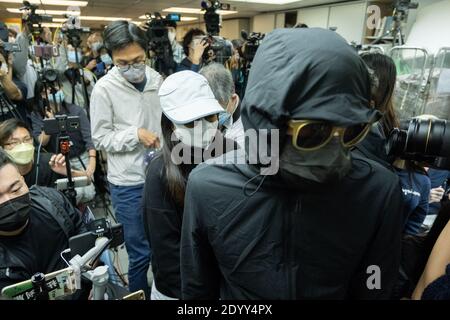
[{"x": 189, "y": 126}]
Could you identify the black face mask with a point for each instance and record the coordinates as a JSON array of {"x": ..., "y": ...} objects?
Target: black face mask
[
  {"x": 327, "y": 165},
  {"x": 15, "y": 213}
]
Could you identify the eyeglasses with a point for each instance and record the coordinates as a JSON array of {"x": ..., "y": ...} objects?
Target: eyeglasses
[
  {"x": 308, "y": 135},
  {"x": 126, "y": 67},
  {"x": 16, "y": 142}
]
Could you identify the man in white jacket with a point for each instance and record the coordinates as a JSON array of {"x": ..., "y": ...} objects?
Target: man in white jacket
[{"x": 126, "y": 117}]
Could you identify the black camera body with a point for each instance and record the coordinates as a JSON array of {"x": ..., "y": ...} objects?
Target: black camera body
[
  {"x": 34, "y": 20},
  {"x": 425, "y": 141},
  {"x": 11, "y": 47},
  {"x": 61, "y": 124},
  {"x": 405, "y": 5},
  {"x": 82, "y": 243},
  {"x": 252, "y": 43}
]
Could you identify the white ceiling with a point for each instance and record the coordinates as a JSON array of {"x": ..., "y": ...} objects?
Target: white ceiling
[{"x": 135, "y": 8}]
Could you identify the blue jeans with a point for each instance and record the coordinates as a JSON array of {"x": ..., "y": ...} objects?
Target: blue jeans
[{"x": 127, "y": 204}]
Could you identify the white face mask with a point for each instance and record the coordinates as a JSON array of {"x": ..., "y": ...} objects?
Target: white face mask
[
  {"x": 171, "y": 36},
  {"x": 201, "y": 136}
]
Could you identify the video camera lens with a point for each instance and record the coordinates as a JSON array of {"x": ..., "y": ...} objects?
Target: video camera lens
[
  {"x": 49, "y": 75},
  {"x": 423, "y": 138}
]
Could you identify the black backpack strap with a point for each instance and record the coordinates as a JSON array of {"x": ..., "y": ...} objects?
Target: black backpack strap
[{"x": 60, "y": 214}]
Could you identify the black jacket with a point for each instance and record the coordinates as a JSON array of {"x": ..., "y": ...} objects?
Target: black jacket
[
  {"x": 53, "y": 220},
  {"x": 247, "y": 236}
]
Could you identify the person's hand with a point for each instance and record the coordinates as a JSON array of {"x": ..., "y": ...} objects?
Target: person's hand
[
  {"x": 91, "y": 168},
  {"x": 10, "y": 60},
  {"x": 92, "y": 64},
  {"x": 58, "y": 164},
  {"x": 148, "y": 139},
  {"x": 199, "y": 49},
  {"x": 436, "y": 195},
  {"x": 49, "y": 114}
]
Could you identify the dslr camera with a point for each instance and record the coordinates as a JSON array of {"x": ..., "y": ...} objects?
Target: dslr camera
[{"x": 421, "y": 140}]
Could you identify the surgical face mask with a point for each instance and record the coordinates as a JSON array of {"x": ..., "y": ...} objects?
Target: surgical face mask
[
  {"x": 226, "y": 118},
  {"x": 171, "y": 36},
  {"x": 59, "y": 96},
  {"x": 200, "y": 136},
  {"x": 134, "y": 75},
  {"x": 15, "y": 213},
  {"x": 11, "y": 40},
  {"x": 323, "y": 166},
  {"x": 72, "y": 56},
  {"x": 22, "y": 154},
  {"x": 106, "y": 59},
  {"x": 96, "y": 46}
]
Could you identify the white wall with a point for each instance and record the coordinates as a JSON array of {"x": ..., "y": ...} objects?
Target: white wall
[
  {"x": 280, "y": 20},
  {"x": 431, "y": 29},
  {"x": 349, "y": 20},
  {"x": 263, "y": 23},
  {"x": 314, "y": 17}
]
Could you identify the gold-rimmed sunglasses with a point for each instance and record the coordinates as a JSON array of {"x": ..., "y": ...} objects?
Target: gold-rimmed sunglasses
[{"x": 310, "y": 135}]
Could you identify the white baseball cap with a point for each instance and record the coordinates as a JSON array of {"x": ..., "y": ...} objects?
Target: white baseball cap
[{"x": 186, "y": 96}]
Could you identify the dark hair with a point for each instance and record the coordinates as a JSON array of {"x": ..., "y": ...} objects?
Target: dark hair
[
  {"x": 188, "y": 38},
  {"x": 5, "y": 159},
  {"x": 7, "y": 128},
  {"x": 382, "y": 93},
  {"x": 176, "y": 178},
  {"x": 120, "y": 34}
]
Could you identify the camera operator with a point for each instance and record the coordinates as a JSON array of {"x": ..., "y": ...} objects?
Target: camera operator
[
  {"x": 35, "y": 226},
  {"x": 82, "y": 152},
  {"x": 177, "y": 49},
  {"x": 92, "y": 60},
  {"x": 126, "y": 121},
  {"x": 235, "y": 64},
  {"x": 193, "y": 48}
]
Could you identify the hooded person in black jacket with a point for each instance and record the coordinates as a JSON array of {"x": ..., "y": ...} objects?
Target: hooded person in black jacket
[{"x": 328, "y": 224}]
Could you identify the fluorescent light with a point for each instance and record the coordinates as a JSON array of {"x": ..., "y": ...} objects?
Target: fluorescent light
[
  {"x": 279, "y": 2},
  {"x": 50, "y": 12},
  {"x": 51, "y": 25},
  {"x": 196, "y": 11},
  {"x": 51, "y": 2},
  {"x": 93, "y": 18},
  {"x": 144, "y": 17}
]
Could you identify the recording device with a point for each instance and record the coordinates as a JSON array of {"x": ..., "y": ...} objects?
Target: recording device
[
  {"x": 405, "y": 5},
  {"x": 11, "y": 47},
  {"x": 251, "y": 45},
  {"x": 32, "y": 19},
  {"x": 219, "y": 49},
  {"x": 72, "y": 29},
  {"x": 426, "y": 141},
  {"x": 81, "y": 244},
  {"x": 45, "y": 51},
  {"x": 159, "y": 42},
  {"x": 211, "y": 17},
  {"x": 79, "y": 182},
  {"x": 61, "y": 124}
]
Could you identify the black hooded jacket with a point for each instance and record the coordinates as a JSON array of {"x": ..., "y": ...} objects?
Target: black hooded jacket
[{"x": 246, "y": 236}]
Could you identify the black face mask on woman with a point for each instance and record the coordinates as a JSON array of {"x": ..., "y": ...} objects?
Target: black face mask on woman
[{"x": 15, "y": 213}]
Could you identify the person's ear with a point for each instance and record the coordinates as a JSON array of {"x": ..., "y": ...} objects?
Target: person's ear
[{"x": 233, "y": 104}]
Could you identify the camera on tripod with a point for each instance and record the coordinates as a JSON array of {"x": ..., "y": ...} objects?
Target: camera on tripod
[
  {"x": 73, "y": 30},
  {"x": 251, "y": 45},
  {"x": 218, "y": 49},
  {"x": 32, "y": 19},
  {"x": 422, "y": 140}
]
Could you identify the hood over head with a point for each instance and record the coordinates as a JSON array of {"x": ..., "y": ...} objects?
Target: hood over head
[{"x": 309, "y": 74}]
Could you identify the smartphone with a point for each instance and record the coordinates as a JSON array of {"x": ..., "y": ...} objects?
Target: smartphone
[{"x": 60, "y": 283}]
